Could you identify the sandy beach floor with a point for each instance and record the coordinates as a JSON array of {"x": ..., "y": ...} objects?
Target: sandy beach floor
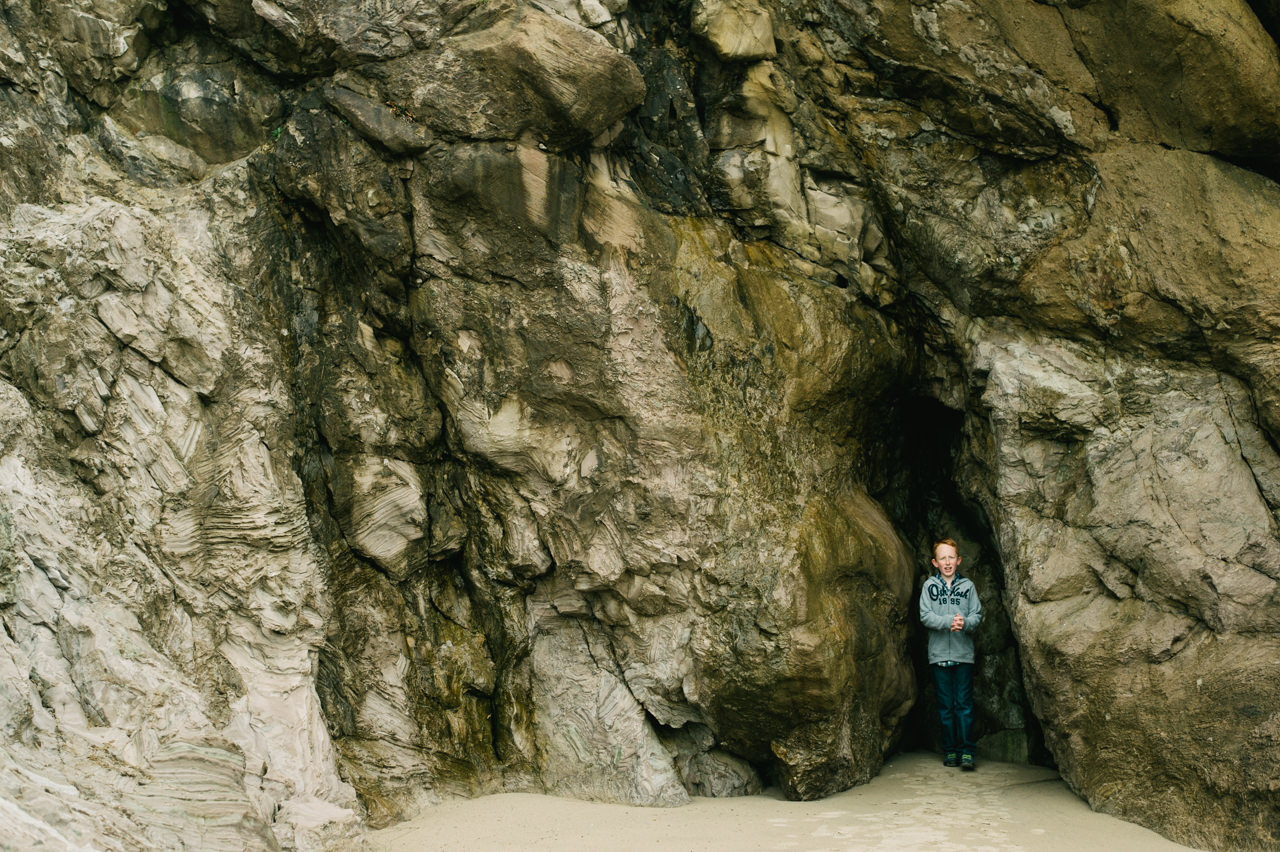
[{"x": 914, "y": 804}]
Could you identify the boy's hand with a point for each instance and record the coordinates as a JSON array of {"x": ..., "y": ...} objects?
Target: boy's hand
[{"x": 957, "y": 622}]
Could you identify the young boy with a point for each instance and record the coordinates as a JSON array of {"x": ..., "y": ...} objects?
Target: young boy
[{"x": 950, "y": 609}]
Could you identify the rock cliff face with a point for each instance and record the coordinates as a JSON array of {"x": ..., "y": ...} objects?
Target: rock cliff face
[{"x": 402, "y": 399}]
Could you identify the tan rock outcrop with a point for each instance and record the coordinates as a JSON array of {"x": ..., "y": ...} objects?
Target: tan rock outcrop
[
  {"x": 1147, "y": 607},
  {"x": 738, "y": 30},
  {"x": 410, "y": 399},
  {"x": 166, "y": 604},
  {"x": 1200, "y": 76}
]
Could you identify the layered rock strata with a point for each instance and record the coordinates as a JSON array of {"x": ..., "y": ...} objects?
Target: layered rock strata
[{"x": 405, "y": 399}]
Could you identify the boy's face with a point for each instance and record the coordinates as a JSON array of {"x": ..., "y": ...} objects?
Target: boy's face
[{"x": 946, "y": 560}]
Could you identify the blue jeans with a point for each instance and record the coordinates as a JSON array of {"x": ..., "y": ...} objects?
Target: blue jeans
[{"x": 954, "y": 685}]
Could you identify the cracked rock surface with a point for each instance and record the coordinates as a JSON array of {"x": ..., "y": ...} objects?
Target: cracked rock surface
[{"x": 408, "y": 399}]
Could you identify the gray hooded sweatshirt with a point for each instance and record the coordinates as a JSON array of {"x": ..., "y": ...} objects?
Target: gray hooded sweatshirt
[{"x": 938, "y": 604}]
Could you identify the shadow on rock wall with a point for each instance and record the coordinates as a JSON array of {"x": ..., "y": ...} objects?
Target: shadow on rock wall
[
  {"x": 926, "y": 502},
  {"x": 403, "y": 399}
]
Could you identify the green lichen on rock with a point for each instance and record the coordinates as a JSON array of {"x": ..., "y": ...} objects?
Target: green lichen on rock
[{"x": 409, "y": 399}]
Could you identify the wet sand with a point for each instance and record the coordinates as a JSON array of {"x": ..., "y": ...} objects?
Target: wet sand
[{"x": 914, "y": 804}]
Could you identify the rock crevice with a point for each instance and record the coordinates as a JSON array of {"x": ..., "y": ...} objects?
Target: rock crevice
[{"x": 409, "y": 399}]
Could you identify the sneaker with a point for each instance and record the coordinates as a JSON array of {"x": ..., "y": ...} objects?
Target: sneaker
[
  {"x": 951, "y": 759},
  {"x": 966, "y": 762}
]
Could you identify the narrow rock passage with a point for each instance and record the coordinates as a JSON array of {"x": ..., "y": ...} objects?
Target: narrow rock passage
[{"x": 914, "y": 804}]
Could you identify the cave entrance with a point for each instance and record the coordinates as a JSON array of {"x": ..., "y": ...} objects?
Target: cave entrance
[{"x": 927, "y": 502}]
